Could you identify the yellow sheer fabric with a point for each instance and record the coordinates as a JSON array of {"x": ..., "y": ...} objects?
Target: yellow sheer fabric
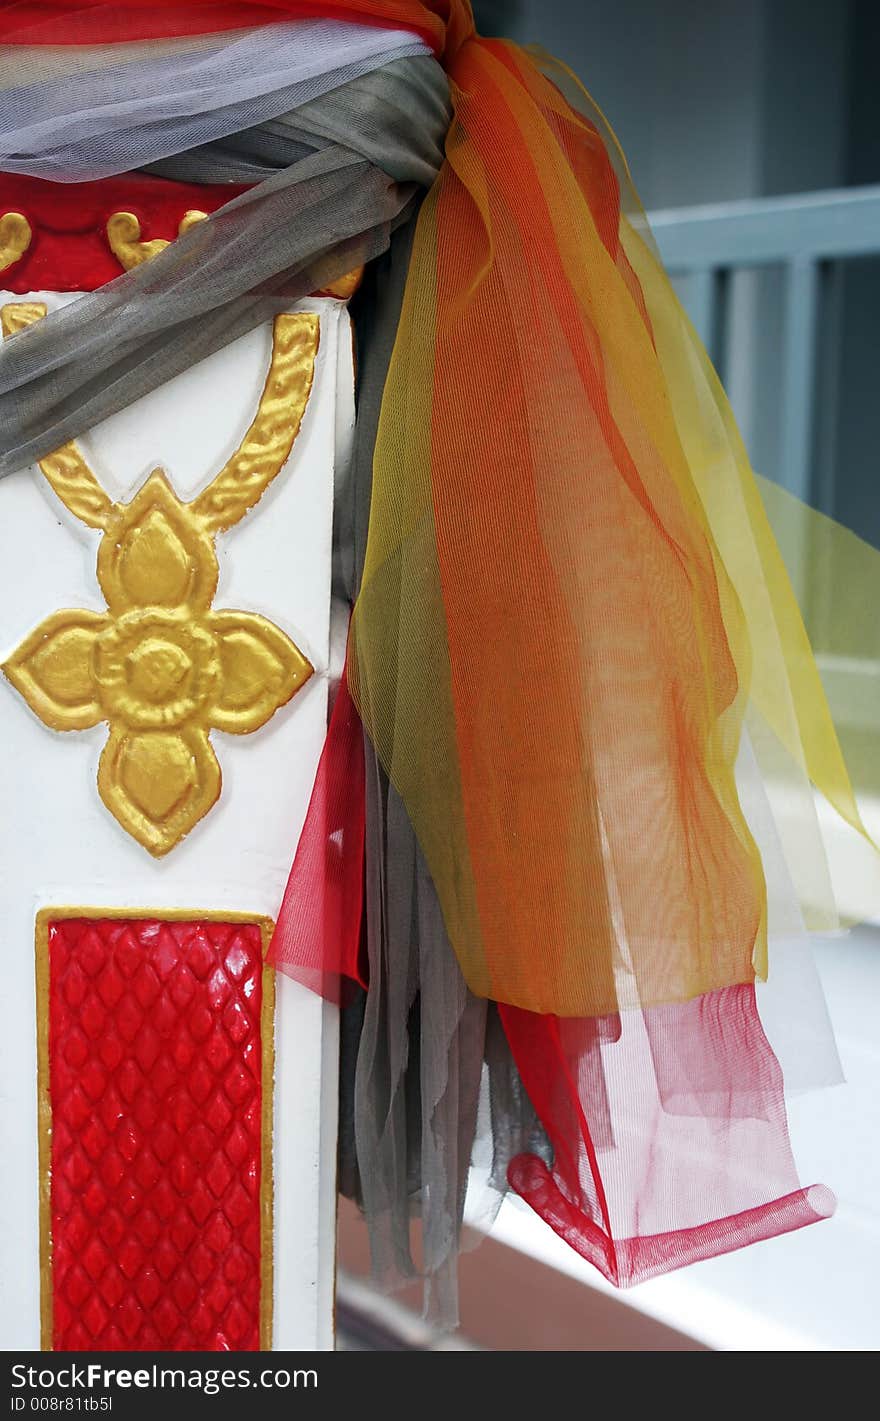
[{"x": 573, "y": 601}]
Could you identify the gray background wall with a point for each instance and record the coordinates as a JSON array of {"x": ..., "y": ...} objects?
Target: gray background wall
[{"x": 720, "y": 99}]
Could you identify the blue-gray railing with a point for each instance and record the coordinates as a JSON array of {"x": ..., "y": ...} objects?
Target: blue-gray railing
[{"x": 807, "y": 236}]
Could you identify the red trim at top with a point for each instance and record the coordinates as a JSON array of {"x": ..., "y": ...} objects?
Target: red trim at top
[
  {"x": 69, "y": 250},
  {"x": 38, "y": 22}
]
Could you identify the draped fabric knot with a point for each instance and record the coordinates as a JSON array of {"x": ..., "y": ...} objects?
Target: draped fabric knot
[{"x": 587, "y": 697}]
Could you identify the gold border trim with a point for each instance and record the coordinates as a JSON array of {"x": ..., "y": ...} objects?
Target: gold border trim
[{"x": 44, "y": 917}]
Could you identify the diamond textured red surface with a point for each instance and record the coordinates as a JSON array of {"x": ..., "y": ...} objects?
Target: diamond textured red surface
[{"x": 155, "y": 1084}]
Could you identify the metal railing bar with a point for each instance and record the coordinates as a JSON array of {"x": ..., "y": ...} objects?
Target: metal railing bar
[
  {"x": 763, "y": 231},
  {"x": 798, "y": 375}
]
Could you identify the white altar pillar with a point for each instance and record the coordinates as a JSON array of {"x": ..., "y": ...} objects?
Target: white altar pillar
[{"x": 64, "y": 851}]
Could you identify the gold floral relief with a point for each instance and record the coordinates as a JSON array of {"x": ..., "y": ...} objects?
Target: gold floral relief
[
  {"x": 124, "y": 237},
  {"x": 15, "y": 238},
  {"x": 125, "y": 242},
  {"x": 344, "y": 288},
  {"x": 161, "y": 666}
]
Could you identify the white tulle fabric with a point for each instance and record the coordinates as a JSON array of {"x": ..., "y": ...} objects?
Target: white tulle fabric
[
  {"x": 791, "y": 1002},
  {"x": 70, "y": 114}
]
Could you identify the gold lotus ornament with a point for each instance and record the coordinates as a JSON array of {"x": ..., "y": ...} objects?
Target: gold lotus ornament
[{"x": 161, "y": 666}]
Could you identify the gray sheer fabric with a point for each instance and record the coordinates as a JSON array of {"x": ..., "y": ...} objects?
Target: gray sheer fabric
[
  {"x": 362, "y": 154},
  {"x": 75, "y": 112},
  {"x": 425, "y": 1064},
  {"x": 419, "y": 1048}
]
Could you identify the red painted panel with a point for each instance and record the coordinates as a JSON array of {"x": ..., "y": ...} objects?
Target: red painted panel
[
  {"x": 155, "y": 1082},
  {"x": 68, "y": 250}
]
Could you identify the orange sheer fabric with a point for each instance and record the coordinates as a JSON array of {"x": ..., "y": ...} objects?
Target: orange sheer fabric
[{"x": 571, "y": 598}]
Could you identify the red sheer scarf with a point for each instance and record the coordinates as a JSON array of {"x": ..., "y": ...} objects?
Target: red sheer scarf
[{"x": 103, "y": 22}]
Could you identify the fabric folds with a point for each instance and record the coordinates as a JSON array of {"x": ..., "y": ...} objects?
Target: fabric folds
[
  {"x": 90, "y": 112},
  {"x": 302, "y": 227},
  {"x": 551, "y": 839}
]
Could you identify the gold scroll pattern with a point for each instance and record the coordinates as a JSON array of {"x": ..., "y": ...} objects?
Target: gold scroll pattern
[
  {"x": 15, "y": 238},
  {"x": 161, "y": 666},
  {"x": 125, "y": 240},
  {"x": 124, "y": 237}
]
